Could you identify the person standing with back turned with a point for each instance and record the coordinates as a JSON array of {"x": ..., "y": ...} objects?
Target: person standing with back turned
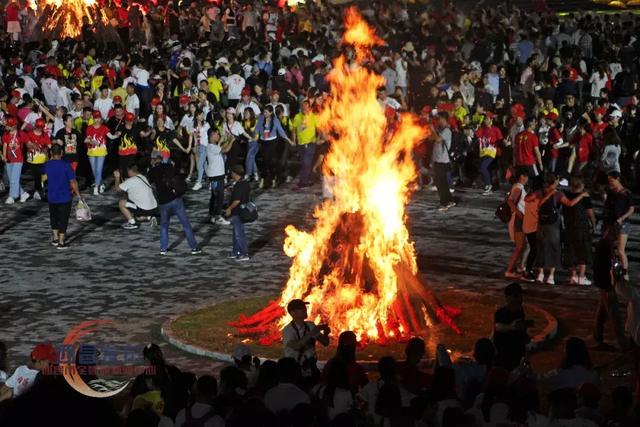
[
  {"x": 62, "y": 185},
  {"x": 170, "y": 202}
]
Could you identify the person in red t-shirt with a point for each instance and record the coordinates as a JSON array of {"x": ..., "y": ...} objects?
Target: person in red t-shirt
[
  {"x": 96, "y": 140},
  {"x": 598, "y": 127},
  {"x": 582, "y": 148},
  {"x": 38, "y": 144},
  {"x": 526, "y": 151},
  {"x": 488, "y": 138},
  {"x": 13, "y": 142},
  {"x": 556, "y": 141},
  {"x": 12, "y": 17}
]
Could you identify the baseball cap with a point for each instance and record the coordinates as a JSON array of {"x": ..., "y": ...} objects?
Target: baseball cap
[
  {"x": 222, "y": 60},
  {"x": 489, "y": 115},
  {"x": 155, "y": 101},
  {"x": 601, "y": 111},
  {"x": 11, "y": 122},
  {"x": 16, "y": 94},
  {"x": 96, "y": 114},
  {"x": 551, "y": 116},
  {"x": 44, "y": 352},
  {"x": 40, "y": 123},
  {"x": 246, "y": 91},
  {"x": 184, "y": 99},
  {"x": 155, "y": 154},
  {"x": 129, "y": 117},
  {"x": 296, "y": 304},
  {"x": 241, "y": 352},
  {"x": 282, "y": 72},
  {"x": 117, "y": 99},
  {"x": 616, "y": 113}
]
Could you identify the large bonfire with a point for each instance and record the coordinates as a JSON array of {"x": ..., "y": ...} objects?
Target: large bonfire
[
  {"x": 64, "y": 18},
  {"x": 357, "y": 267}
]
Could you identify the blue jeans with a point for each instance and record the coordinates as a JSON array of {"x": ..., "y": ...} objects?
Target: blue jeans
[
  {"x": 307, "y": 154},
  {"x": 250, "y": 166},
  {"x": 240, "y": 245},
  {"x": 175, "y": 207},
  {"x": 202, "y": 160},
  {"x": 14, "y": 171},
  {"x": 97, "y": 163},
  {"x": 485, "y": 164}
]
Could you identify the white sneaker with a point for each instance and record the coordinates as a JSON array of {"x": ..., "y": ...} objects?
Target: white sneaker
[
  {"x": 222, "y": 221},
  {"x": 433, "y": 188},
  {"x": 95, "y": 191},
  {"x": 24, "y": 197},
  {"x": 289, "y": 179},
  {"x": 261, "y": 185},
  {"x": 256, "y": 177},
  {"x": 583, "y": 281},
  {"x": 10, "y": 200},
  {"x": 197, "y": 187},
  {"x": 574, "y": 280},
  {"x": 451, "y": 190},
  {"x": 36, "y": 195},
  {"x": 101, "y": 189},
  {"x": 487, "y": 190},
  {"x": 564, "y": 182},
  {"x": 550, "y": 281},
  {"x": 540, "y": 278},
  {"x": 188, "y": 179}
]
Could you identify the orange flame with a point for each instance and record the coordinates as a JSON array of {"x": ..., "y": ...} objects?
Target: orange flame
[
  {"x": 357, "y": 267},
  {"x": 373, "y": 170},
  {"x": 64, "y": 18}
]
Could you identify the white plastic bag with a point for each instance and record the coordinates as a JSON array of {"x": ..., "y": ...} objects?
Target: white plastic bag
[{"x": 83, "y": 212}]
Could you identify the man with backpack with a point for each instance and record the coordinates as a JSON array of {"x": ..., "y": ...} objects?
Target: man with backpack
[
  {"x": 170, "y": 188},
  {"x": 240, "y": 195},
  {"x": 139, "y": 201}
]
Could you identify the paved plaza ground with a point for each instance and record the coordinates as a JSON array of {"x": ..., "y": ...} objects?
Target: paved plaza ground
[{"x": 112, "y": 273}]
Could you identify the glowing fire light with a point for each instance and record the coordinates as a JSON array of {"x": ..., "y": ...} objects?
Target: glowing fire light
[
  {"x": 357, "y": 267},
  {"x": 64, "y": 18}
]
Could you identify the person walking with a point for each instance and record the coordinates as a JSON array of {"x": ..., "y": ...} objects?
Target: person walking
[
  {"x": 618, "y": 208},
  {"x": 216, "y": 150},
  {"x": 489, "y": 136},
  {"x": 239, "y": 195},
  {"x": 579, "y": 222},
  {"x": 170, "y": 188},
  {"x": 441, "y": 162},
  {"x": 61, "y": 188},
  {"x": 13, "y": 141},
  {"x": 548, "y": 246},
  {"x": 38, "y": 143},
  {"x": 517, "y": 205}
]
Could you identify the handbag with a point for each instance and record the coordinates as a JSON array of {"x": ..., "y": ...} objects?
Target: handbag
[
  {"x": 248, "y": 212},
  {"x": 503, "y": 211},
  {"x": 83, "y": 212}
]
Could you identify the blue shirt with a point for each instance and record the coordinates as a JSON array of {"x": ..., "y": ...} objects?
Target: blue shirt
[{"x": 59, "y": 175}]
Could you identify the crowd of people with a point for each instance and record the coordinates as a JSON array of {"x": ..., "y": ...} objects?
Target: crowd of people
[
  {"x": 222, "y": 96},
  {"x": 493, "y": 387}
]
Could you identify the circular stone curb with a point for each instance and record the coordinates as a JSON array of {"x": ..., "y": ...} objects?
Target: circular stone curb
[{"x": 167, "y": 333}]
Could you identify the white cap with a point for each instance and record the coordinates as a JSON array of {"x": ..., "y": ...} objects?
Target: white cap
[
  {"x": 282, "y": 72},
  {"x": 616, "y": 113},
  {"x": 222, "y": 60}
]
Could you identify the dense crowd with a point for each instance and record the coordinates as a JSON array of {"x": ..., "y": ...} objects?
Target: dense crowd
[{"x": 223, "y": 96}]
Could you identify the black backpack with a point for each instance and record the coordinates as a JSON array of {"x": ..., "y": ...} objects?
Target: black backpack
[
  {"x": 548, "y": 212},
  {"x": 190, "y": 421}
]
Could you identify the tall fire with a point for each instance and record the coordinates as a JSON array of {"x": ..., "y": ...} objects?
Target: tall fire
[
  {"x": 64, "y": 18},
  {"x": 357, "y": 268}
]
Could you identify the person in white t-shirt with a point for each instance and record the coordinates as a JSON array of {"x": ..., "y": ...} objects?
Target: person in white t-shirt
[
  {"x": 132, "y": 104},
  {"x": 43, "y": 357},
  {"x": 286, "y": 395},
  {"x": 300, "y": 336},
  {"x": 139, "y": 203},
  {"x": 63, "y": 97},
  {"x": 216, "y": 150},
  {"x": 49, "y": 87},
  {"x": 104, "y": 103},
  {"x": 336, "y": 394},
  {"x": 235, "y": 83}
]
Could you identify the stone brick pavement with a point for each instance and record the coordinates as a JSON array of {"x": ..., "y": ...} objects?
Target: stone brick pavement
[{"x": 112, "y": 273}]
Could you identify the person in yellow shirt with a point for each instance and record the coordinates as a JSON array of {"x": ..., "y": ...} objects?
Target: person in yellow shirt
[
  {"x": 459, "y": 111},
  {"x": 304, "y": 126},
  {"x": 549, "y": 108},
  {"x": 215, "y": 86}
]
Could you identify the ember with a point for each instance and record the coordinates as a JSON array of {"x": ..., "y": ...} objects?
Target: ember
[
  {"x": 357, "y": 267},
  {"x": 64, "y": 18}
]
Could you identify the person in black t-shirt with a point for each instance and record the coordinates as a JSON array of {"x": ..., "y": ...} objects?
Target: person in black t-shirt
[
  {"x": 603, "y": 279},
  {"x": 510, "y": 335},
  {"x": 166, "y": 180},
  {"x": 69, "y": 138},
  {"x": 240, "y": 195},
  {"x": 618, "y": 208}
]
